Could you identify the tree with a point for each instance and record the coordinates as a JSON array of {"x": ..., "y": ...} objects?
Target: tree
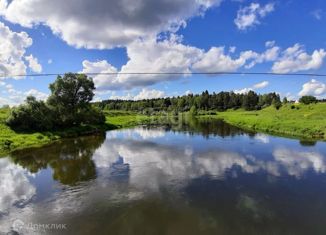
[
  {"x": 277, "y": 103},
  {"x": 285, "y": 100},
  {"x": 250, "y": 100},
  {"x": 68, "y": 105},
  {"x": 308, "y": 99},
  {"x": 70, "y": 98}
]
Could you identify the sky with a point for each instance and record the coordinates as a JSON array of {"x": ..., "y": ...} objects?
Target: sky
[{"x": 128, "y": 36}]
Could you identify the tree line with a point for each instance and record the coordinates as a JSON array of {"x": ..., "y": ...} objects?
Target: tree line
[{"x": 205, "y": 101}]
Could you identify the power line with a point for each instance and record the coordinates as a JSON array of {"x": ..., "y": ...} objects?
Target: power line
[{"x": 170, "y": 73}]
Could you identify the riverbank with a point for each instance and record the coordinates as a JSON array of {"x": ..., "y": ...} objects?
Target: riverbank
[
  {"x": 295, "y": 120},
  {"x": 300, "y": 121},
  {"x": 11, "y": 140}
]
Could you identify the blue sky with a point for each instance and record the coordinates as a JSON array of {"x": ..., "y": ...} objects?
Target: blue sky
[{"x": 163, "y": 36}]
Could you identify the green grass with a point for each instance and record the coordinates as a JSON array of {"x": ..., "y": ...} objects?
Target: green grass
[
  {"x": 124, "y": 119},
  {"x": 304, "y": 121},
  {"x": 11, "y": 140}
]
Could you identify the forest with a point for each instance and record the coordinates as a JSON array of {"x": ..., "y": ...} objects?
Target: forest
[{"x": 205, "y": 101}]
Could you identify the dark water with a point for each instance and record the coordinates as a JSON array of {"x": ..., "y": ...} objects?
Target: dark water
[{"x": 192, "y": 178}]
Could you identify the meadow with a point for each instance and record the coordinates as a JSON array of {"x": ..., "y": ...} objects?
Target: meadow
[{"x": 293, "y": 120}]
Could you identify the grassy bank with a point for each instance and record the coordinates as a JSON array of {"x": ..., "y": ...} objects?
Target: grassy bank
[
  {"x": 304, "y": 121},
  {"x": 11, "y": 140}
]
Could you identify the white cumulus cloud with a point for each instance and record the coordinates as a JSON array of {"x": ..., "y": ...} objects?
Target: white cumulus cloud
[
  {"x": 243, "y": 91},
  {"x": 149, "y": 94},
  {"x": 102, "y": 82},
  {"x": 144, "y": 94},
  {"x": 13, "y": 46},
  {"x": 215, "y": 60},
  {"x": 256, "y": 86},
  {"x": 15, "y": 97},
  {"x": 314, "y": 88},
  {"x": 261, "y": 85},
  {"x": 33, "y": 64},
  {"x": 37, "y": 94},
  {"x": 251, "y": 15},
  {"x": 104, "y": 23},
  {"x": 296, "y": 59},
  {"x": 169, "y": 55}
]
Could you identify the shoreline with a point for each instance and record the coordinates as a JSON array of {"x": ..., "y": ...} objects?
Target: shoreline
[
  {"x": 250, "y": 128},
  {"x": 306, "y": 122},
  {"x": 21, "y": 141},
  {"x": 303, "y": 123}
]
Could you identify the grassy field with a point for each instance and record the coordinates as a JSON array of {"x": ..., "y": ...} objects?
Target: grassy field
[
  {"x": 11, "y": 140},
  {"x": 305, "y": 121}
]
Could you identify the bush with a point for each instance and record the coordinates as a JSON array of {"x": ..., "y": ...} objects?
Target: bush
[{"x": 33, "y": 115}]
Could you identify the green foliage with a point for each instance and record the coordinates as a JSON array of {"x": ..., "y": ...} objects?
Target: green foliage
[
  {"x": 277, "y": 103},
  {"x": 68, "y": 106},
  {"x": 250, "y": 101},
  {"x": 193, "y": 110},
  {"x": 91, "y": 115},
  {"x": 308, "y": 99},
  {"x": 203, "y": 102},
  {"x": 33, "y": 115},
  {"x": 70, "y": 98},
  {"x": 285, "y": 100},
  {"x": 7, "y": 144}
]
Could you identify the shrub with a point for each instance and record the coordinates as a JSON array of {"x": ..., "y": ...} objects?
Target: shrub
[{"x": 33, "y": 115}]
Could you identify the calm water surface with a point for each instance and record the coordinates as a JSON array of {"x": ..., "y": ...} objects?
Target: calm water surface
[{"x": 201, "y": 177}]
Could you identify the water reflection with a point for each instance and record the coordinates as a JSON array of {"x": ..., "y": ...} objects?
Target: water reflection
[
  {"x": 155, "y": 160},
  {"x": 189, "y": 178},
  {"x": 206, "y": 127},
  {"x": 71, "y": 160},
  {"x": 14, "y": 186}
]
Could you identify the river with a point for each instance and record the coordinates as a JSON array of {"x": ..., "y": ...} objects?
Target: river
[{"x": 194, "y": 177}]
